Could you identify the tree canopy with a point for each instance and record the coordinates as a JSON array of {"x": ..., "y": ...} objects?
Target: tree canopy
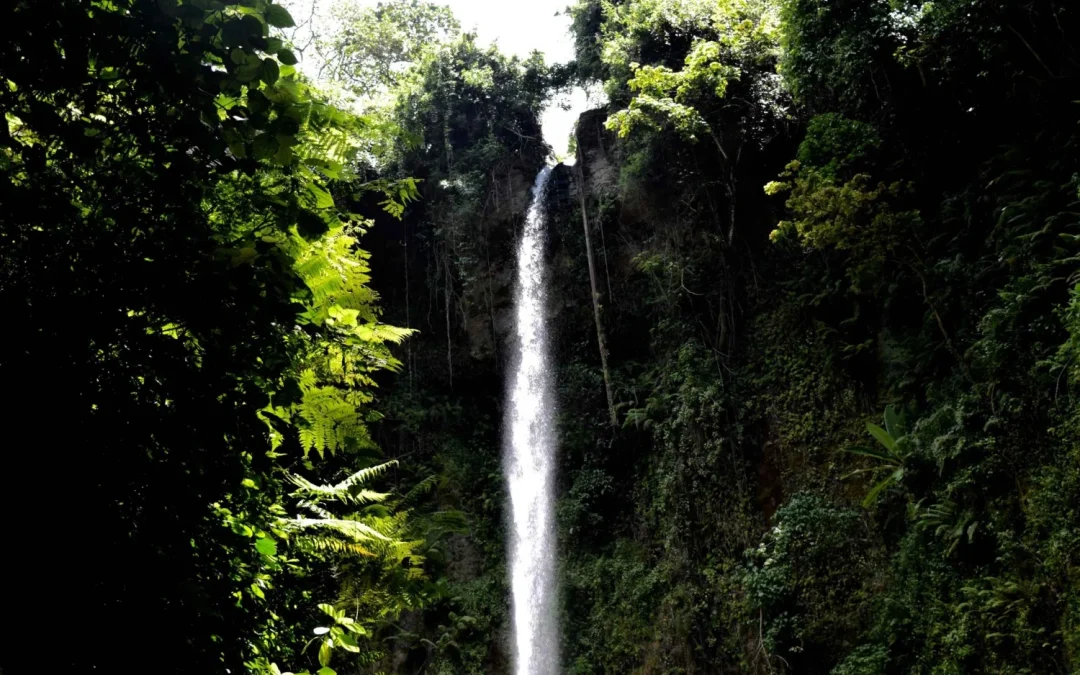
[{"x": 815, "y": 299}]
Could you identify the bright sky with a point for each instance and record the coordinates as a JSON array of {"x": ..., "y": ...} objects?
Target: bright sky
[{"x": 518, "y": 27}]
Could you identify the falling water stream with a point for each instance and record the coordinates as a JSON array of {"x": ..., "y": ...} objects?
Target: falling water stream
[{"x": 529, "y": 461}]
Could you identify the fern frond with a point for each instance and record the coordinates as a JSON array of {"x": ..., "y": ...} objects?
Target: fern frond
[
  {"x": 381, "y": 332},
  {"x": 317, "y": 510},
  {"x": 353, "y": 529},
  {"x": 331, "y": 421},
  {"x": 322, "y": 544},
  {"x": 422, "y": 488},
  {"x": 347, "y": 490},
  {"x": 365, "y": 474}
]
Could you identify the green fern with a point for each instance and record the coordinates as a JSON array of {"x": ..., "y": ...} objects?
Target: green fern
[
  {"x": 949, "y": 523},
  {"x": 347, "y": 491},
  {"x": 331, "y": 545}
]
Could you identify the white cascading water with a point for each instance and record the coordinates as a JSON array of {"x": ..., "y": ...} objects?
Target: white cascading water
[{"x": 529, "y": 461}]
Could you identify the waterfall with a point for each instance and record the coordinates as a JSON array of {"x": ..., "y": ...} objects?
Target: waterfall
[{"x": 529, "y": 461}]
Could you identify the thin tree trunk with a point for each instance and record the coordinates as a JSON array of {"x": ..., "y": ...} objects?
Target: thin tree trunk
[
  {"x": 408, "y": 311},
  {"x": 449, "y": 341},
  {"x": 603, "y": 251},
  {"x": 491, "y": 308},
  {"x": 596, "y": 298}
]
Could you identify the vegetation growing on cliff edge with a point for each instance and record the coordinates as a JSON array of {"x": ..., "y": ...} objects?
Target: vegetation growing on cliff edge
[
  {"x": 837, "y": 253},
  {"x": 920, "y": 251}
]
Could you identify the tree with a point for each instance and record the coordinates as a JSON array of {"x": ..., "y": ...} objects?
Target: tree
[
  {"x": 730, "y": 44},
  {"x": 175, "y": 268},
  {"x": 374, "y": 47}
]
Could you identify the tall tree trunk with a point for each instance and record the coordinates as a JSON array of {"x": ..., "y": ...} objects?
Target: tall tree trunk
[
  {"x": 449, "y": 340},
  {"x": 595, "y": 296}
]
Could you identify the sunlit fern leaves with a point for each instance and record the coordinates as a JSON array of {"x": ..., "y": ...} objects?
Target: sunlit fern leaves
[
  {"x": 328, "y": 421},
  {"x": 326, "y": 545},
  {"x": 336, "y": 272},
  {"x": 371, "y": 535},
  {"x": 351, "y": 530},
  {"x": 350, "y": 490},
  {"x": 397, "y": 194}
]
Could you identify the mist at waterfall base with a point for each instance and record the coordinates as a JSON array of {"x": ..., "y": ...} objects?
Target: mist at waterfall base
[{"x": 529, "y": 461}]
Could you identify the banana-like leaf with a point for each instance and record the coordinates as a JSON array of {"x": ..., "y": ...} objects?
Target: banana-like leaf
[
  {"x": 882, "y": 437},
  {"x": 875, "y": 491},
  {"x": 893, "y": 422},
  {"x": 876, "y": 454}
]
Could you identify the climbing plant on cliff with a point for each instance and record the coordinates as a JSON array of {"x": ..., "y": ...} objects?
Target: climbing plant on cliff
[
  {"x": 902, "y": 261},
  {"x": 469, "y": 117}
]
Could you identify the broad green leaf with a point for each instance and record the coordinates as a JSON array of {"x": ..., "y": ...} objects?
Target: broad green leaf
[
  {"x": 331, "y": 169},
  {"x": 257, "y": 102},
  {"x": 279, "y": 17},
  {"x": 348, "y": 643},
  {"x": 268, "y": 71},
  {"x": 326, "y": 608},
  {"x": 242, "y": 257},
  {"x": 323, "y": 199},
  {"x": 265, "y": 146},
  {"x": 266, "y": 546},
  {"x": 355, "y": 628},
  {"x": 287, "y": 57},
  {"x": 868, "y": 452},
  {"x": 882, "y": 436},
  {"x": 254, "y": 25},
  {"x": 875, "y": 491},
  {"x": 326, "y": 670},
  {"x": 282, "y": 92},
  {"x": 235, "y": 143},
  {"x": 284, "y": 156},
  {"x": 247, "y": 72},
  {"x": 343, "y": 316},
  {"x": 324, "y": 652},
  {"x": 892, "y": 422}
]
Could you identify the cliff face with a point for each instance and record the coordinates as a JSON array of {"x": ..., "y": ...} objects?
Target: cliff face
[
  {"x": 666, "y": 281},
  {"x": 594, "y": 143},
  {"x": 722, "y": 524},
  {"x": 447, "y": 270}
]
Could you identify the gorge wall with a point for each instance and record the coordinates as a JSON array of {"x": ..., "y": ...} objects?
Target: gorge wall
[{"x": 724, "y": 524}]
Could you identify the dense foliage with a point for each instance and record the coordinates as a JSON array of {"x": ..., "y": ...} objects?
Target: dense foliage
[
  {"x": 180, "y": 258},
  {"x": 836, "y": 251},
  {"x": 920, "y": 251}
]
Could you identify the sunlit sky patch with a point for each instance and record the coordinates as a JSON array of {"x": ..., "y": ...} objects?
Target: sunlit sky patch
[{"x": 518, "y": 27}]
